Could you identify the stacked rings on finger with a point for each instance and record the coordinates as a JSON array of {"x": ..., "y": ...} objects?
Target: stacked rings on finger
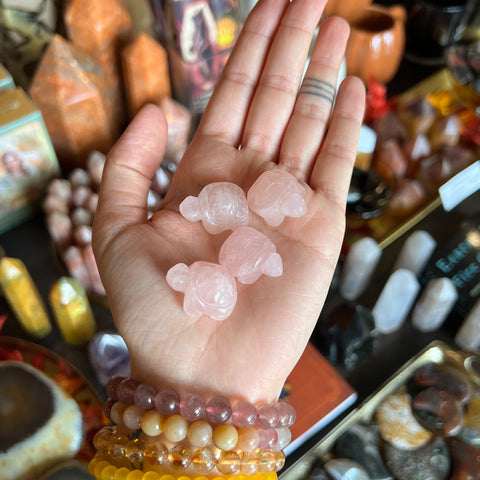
[{"x": 161, "y": 432}]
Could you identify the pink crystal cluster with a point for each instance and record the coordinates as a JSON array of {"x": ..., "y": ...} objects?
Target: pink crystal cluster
[{"x": 210, "y": 288}]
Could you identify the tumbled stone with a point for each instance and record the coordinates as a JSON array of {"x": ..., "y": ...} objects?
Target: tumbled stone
[
  {"x": 435, "y": 304},
  {"x": 432, "y": 462},
  {"x": 471, "y": 424},
  {"x": 465, "y": 459},
  {"x": 108, "y": 355},
  {"x": 359, "y": 266},
  {"x": 145, "y": 72},
  {"x": 443, "y": 377},
  {"x": 444, "y": 405},
  {"x": 395, "y": 300},
  {"x": 415, "y": 252},
  {"x": 360, "y": 443},
  {"x": 397, "y": 424},
  {"x": 68, "y": 88},
  {"x": 345, "y": 469},
  {"x": 468, "y": 335}
]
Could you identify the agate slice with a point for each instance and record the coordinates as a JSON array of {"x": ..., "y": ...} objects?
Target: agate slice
[
  {"x": 209, "y": 289},
  {"x": 277, "y": 194},
  {"x": 247, "y": 253},
  {"x": 219, "y": 206}
]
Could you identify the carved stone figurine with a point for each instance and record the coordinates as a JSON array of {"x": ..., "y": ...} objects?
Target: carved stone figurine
[{"x": 277, "y": 194}]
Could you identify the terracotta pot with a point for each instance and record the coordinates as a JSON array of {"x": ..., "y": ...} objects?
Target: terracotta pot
[
  {"x": 376, "y": 43},
  {"x": 345, "y": 8}
]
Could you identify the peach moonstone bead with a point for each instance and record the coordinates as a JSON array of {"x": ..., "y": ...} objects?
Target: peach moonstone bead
[
  {"x": 247, "y": 253},
  {"x": 209, "y": 289},
  {"x": 277, "y": 194},
  {"x": 219, "y": 206}
]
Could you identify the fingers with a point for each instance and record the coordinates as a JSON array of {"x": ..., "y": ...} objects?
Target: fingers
[
  {"x": 333, "y": 167},
  {"x": 277, "y": 89},
  {"x": 307, "y": 126},
  {"x": 227, "y": 109},
  {"x": 130, "y": 167}
]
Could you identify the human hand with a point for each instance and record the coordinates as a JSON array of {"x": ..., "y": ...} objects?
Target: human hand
[{"x": 260, "y": 117}]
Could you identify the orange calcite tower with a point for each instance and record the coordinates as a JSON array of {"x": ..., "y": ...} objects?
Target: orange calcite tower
[
  {"x": 69, "y": 89},
  {"x": 100, "y": 28},
  {"x": 146, "y": 73}
]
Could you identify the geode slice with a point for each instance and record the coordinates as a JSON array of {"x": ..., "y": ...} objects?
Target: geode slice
[{"x": 40, "y": 424}]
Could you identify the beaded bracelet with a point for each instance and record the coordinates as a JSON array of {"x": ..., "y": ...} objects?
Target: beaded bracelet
[
  {"x": 101, "y": 468},
  {"x": 139, "y": 451},
  {"x": 200, "y": 433},
  {"x": 217, "y": 410}
]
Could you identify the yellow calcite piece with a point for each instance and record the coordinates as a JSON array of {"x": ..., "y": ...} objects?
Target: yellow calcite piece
[
  {"x": 23, "y": 297},
  {"x": 72, "y": 311}
]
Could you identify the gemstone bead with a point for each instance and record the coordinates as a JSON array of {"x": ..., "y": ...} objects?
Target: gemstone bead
[
  {"x": 268, "y": 438},
  {"x": 200, "y": 433},
  {"x": 119, "y": 447},
  {"x": 267, "y": 462},
  {"x": 166, "y": 402},
  {"x": 103, "y": 440},
  {"x": 107, "y": 406},
  {"x": 132, "y": 416},
  {"x": 121, "y": 474},
  {"x": 248, "y": 439},
  {"x": 144, "y": 396},
  {"x": 244, "y": 414},
  {"x": 203, "y": 460},
  {"x": 180, "y": 457},
  {"x": 134, "y": 452},
  {"x": 125, "y": 390},
  {"x": 152, "y": 423},
  {"x": 284, "y": 437},
  {"x": 267, "y": 415},
  {"x": 218, "y": 410},
  {"x": 225, "y": 436},
  {"x": 286, "y": 414},
  {"x": 108, "y": 472},
  {"x": 156, "y": 453},
  {"x": 116, "y": 412},
  {"x": 228, "y": 463},
  {"x": 249, "y": 462},
  {"x": 192, "y": 407},
  {"x": 175, "y": 428}
]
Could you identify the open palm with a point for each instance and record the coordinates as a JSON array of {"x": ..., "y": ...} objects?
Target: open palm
[{"x": 261, "y": 116}]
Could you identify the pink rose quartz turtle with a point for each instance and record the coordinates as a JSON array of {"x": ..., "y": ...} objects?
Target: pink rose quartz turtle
[
  {"x": 247, "y": 253},
  {"x": 209, "y": 289},
  {"x": 220, "y": 206},
  {"x": 277, "y": 194}
]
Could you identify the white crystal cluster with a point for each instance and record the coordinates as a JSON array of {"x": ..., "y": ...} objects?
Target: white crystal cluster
[{"x": 210, "y": 288}]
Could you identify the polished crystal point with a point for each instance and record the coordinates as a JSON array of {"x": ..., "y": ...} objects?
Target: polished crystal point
[
  {"x": 416, "y": 251},
  {"x": 468, "y": 336},
  {"x": 395, "y": 300},
  {"x": 23, "y": 297},
  {"x": 72, "y": 311},
  {"x": 360, "y": 263},
  {"x": 434, "y": 305},
  {"x": 247, "y": 253},
  {"x": 209, "y": 289},
  {"x": 277, "y": 194},
  {"x": 219, "y": 206}
]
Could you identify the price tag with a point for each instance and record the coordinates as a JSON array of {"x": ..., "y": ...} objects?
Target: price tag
[{"x": 460, "y": 187}]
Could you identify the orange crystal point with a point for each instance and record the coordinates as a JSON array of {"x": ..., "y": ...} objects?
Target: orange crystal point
[
  {"x": 146, "y": 72},
  {"x": 94, "y": 25},
  {"x": 68, "y": 89}
]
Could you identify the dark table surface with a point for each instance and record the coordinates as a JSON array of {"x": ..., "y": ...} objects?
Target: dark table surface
[{"x": 31, "y": 243}]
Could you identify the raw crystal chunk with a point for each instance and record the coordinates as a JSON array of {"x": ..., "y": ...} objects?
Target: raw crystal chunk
[
  {"x": 220, "y": 206},
  {"x": 247, "y": 253},
  {"x": 277, "y": 194},
  {"x": 435, "y": 304},
  {"x": 360, "y": 263},
  {"x": 209, "y": 289},
  {"x": 395, "y": 300},
  {"x": 415, "y": 252}
]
